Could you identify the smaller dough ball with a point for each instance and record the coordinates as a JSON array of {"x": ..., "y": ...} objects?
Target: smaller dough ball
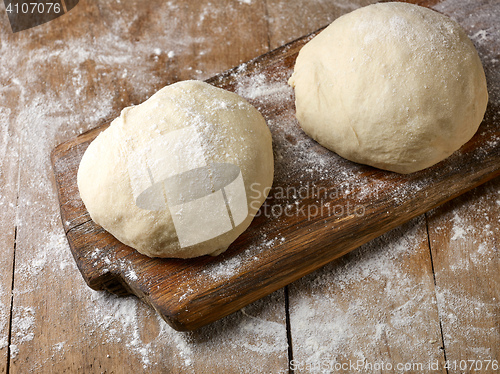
[
  {"x": 180, "y": 175},
  {"x": 392, "y": 85}
]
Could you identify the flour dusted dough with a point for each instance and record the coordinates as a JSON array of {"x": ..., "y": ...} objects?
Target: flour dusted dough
[
  {"x": 180, "y": 175},
  {"x": 392, "y": 85}
]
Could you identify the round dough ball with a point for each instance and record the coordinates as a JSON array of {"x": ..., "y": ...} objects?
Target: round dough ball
[
  {"x": 180, "y": 175},
  {"x": 392, "y": 85}
]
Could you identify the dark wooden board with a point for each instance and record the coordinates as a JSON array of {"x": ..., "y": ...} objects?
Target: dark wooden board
[{"x": 320, "y": 208}]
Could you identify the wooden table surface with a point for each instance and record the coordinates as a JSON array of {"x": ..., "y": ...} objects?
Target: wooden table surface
[{"x": 422, "y": 295}]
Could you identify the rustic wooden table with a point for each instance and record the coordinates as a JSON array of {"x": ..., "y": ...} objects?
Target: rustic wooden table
[{"x": 425, "y": 294}]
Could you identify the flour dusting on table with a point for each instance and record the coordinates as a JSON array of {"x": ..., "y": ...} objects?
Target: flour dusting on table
[
  {"x": 102, "y": 74},
  {"x": 329, "y": 320}
]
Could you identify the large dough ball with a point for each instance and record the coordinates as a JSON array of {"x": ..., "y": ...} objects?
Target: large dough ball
[
  {"x": 392, "y": 85},
  {"x": 180, "y": 175}
]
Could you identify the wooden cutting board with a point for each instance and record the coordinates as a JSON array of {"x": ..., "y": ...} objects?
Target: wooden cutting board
[{"x": 320, "y": 208}]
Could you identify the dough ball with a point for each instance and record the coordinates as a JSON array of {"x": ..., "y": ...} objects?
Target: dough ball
[
  {"x": 392, "y": 85},
  {"x": 180, "y": 175}
]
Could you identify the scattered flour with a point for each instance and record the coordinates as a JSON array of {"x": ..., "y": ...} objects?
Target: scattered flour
[
  {"x": 120, "y": 321},
  {"x": 459, "y": 230},
  {"x": 58, "y": 346},
  {"x": 329, "y": 322},
  {"x": 466, "y": 317},
  {"x": 23, "y": 323},
  {"x": 102, "y": 75},
  {"x": 261, "y": 88},
  {"x": 105, "y": 73},
  {"x": 14, "y": 351}
]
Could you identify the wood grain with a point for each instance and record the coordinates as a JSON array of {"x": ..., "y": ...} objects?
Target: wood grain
[
  {"x": 9, "y": 189},
  {"x": 187, "y": 295},
  {"x": 70, "y": 75},
  {"x": 283, "y": 30},
  {"x": 363, "y": 307},
  {"x": 75, "y": 72},
  {"x": 464, "y": 237}
]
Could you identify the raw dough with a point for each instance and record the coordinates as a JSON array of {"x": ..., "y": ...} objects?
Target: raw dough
[
  {"x": 392, "y": 85},
  {"x": 180, "y": 175}
]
